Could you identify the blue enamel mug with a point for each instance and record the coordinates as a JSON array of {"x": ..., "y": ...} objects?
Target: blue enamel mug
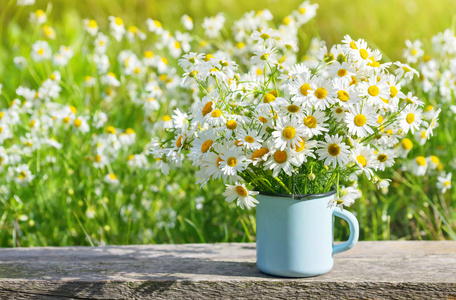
[{"x": 295, "y": 234}]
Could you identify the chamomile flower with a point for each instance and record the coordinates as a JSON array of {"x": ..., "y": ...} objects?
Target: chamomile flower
[
  {"x": 360, "y": 120},
  {"x": 315, "y": 123},
  {"x": 346, "y": 93},
  {"x": 404, "y": 70},
  {"x": 385, "y": 158},
  {"x": 264, "y": 56},
  {"x": 117, "y": 27},
  {"x": 111, "y": 179},
  {"x": 250, "y": 139},
  {"x": 413, "y": 51},
  {"x": 233, "y": 162},
  {"x": 323, "y": 96},
  {"x": 281, "y": 160},
  {"x": 301, "y": 88},
  {"x": 91, "y": 26},
  {"x": 333, "y": 151},
  {"x": 38, "y": 17},
  {"x": 240, "y": 193},
  {"x": 365, "y": 159},
  {"x": 419, "y": 165},
  {"x": 432, "y": 124},
  {"x": 187, "y": 22},
  {"x": 374, "y": 90},
  {"x": 41, "y": 51},
  {"x": 288, "y": 134},
  {"x": 444, "y": 182},
  {"x": 410, "y": 118}
]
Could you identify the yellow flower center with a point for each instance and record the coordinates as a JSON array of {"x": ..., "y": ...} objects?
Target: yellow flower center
[
  {"x": 92, "y": 24},
  {"x": 259, "y": 153},
  {"x": 206, "y": 146},
  {"x": 77, "y": 122},
  {"x": 231, "y": 124},
  {"x": 66, "y": 120},
  {"x": 249, "y": 139},
  {"x": 216, "y": 113},
  {"x": 280, "y": 157},
  {"x": 148, "y": 54},
  {"x": 342, "y": 72},
  {"x": 232, "y": 161},
  {"x": 361, "y": 160},
  {"x": 393, "y": 91},
  {"x": 111, "y": 130},
  {"x": 289, "y": 133},
  {"x": 207, "y": 108},
  {"x": 447, "y": 183},
  {"x": 413, "y": 52},
  {"x": 353, "y": 45},
  {"x": 97, "y": 158},
  {"x": 353, "y": 81},
  {"x": 321, "y": 93},
  {"x": 241, "y": 191},
  {"x": 268, "y": 98},
  {"x": 333, "y": 149},
  {"x": 435, "y": 159},
  {"x": 373, "y": 90},
  {"x": 119, "y": 21},
  {"x": 363, "y": 53},
  {"x": 310, "y": 121},
  {"x": 410, "y": 118},
  {"x": 262, "y": 119},
  {"x": 407, "y": 144},
  {"x": 382, "y": 158},
  {"x": 360, "y": 120},
  {"x": 339, "y": 110},
  {"x": 166, "y": 118},
  {"x": 421, "y": 160},
  {"x": 293, "y": 108},
  {"x": 179, "y": 142},
  {"x": 305, "y": 89},
  {"x": 343, "y": 96},
  {"x": 302, "y": 10},
  {"x": 264, "y": 56},
  {"x": 301, "y": 147},
  {"x": 265, "y": 36}
]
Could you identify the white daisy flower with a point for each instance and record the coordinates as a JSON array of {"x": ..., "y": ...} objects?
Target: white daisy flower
[
  {"x": 410, "y": 118},
  {"x": 249, "y": 139},
  {"x": 240, "y": 193},
  {"x": 288, "y": 134},
  {"x": 323, "y": 96},
  {"x": 360, "y": 119},
  {"x": 315, "y": 123},
  {"x": 281, "y": 160},
  {"x": 333, "y": 151},
  {"x": 444, "y": 182}
]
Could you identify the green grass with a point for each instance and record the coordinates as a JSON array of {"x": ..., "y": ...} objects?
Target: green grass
[{"x": 151, "y": 208}]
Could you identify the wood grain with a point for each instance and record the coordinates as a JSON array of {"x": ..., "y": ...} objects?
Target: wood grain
[{"x": 371, "y": 270}]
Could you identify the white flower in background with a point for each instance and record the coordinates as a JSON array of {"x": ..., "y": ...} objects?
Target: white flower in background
[
  {"x": 413, "y": 51},
  {"x": 406, "y": 71},
  {"x": 38, "y": 17},
  {"x": 213, "y": 25},
  {"x": 117, "y": 27},
  {"x": 22, "y": 174},
  {"x": 111, "y": 179},
  {"x": 240, "y": 193},
  {"x": 444, "y": 182},
  {"x": 20, "y": 62},
  {"x": 347, "y": 196},
  {"x": 25, "y": 2},
  {"x": 154, "y": 26},
  {"x": 91, "y": 26},
  {"x": 288, "y": 134},
  {"x": 110, "y": 79},
  {"x": 41, "y": 51},
  {"x": 419, "y": 165},
  {"x": 187, "y": 22},
  {"x": 323, "y": 95}
]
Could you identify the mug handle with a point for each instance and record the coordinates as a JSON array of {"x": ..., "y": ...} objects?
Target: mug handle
[{"x": 354, "y": 230}]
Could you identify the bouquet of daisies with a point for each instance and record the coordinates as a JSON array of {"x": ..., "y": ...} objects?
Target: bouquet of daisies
[{"x": 273, "y": 124}]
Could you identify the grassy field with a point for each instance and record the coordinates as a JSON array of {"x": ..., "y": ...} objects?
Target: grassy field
[{"x": 68, "y": 202}]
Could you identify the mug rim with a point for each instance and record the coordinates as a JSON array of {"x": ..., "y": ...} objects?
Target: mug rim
[{"x": 300, "y": 196}]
